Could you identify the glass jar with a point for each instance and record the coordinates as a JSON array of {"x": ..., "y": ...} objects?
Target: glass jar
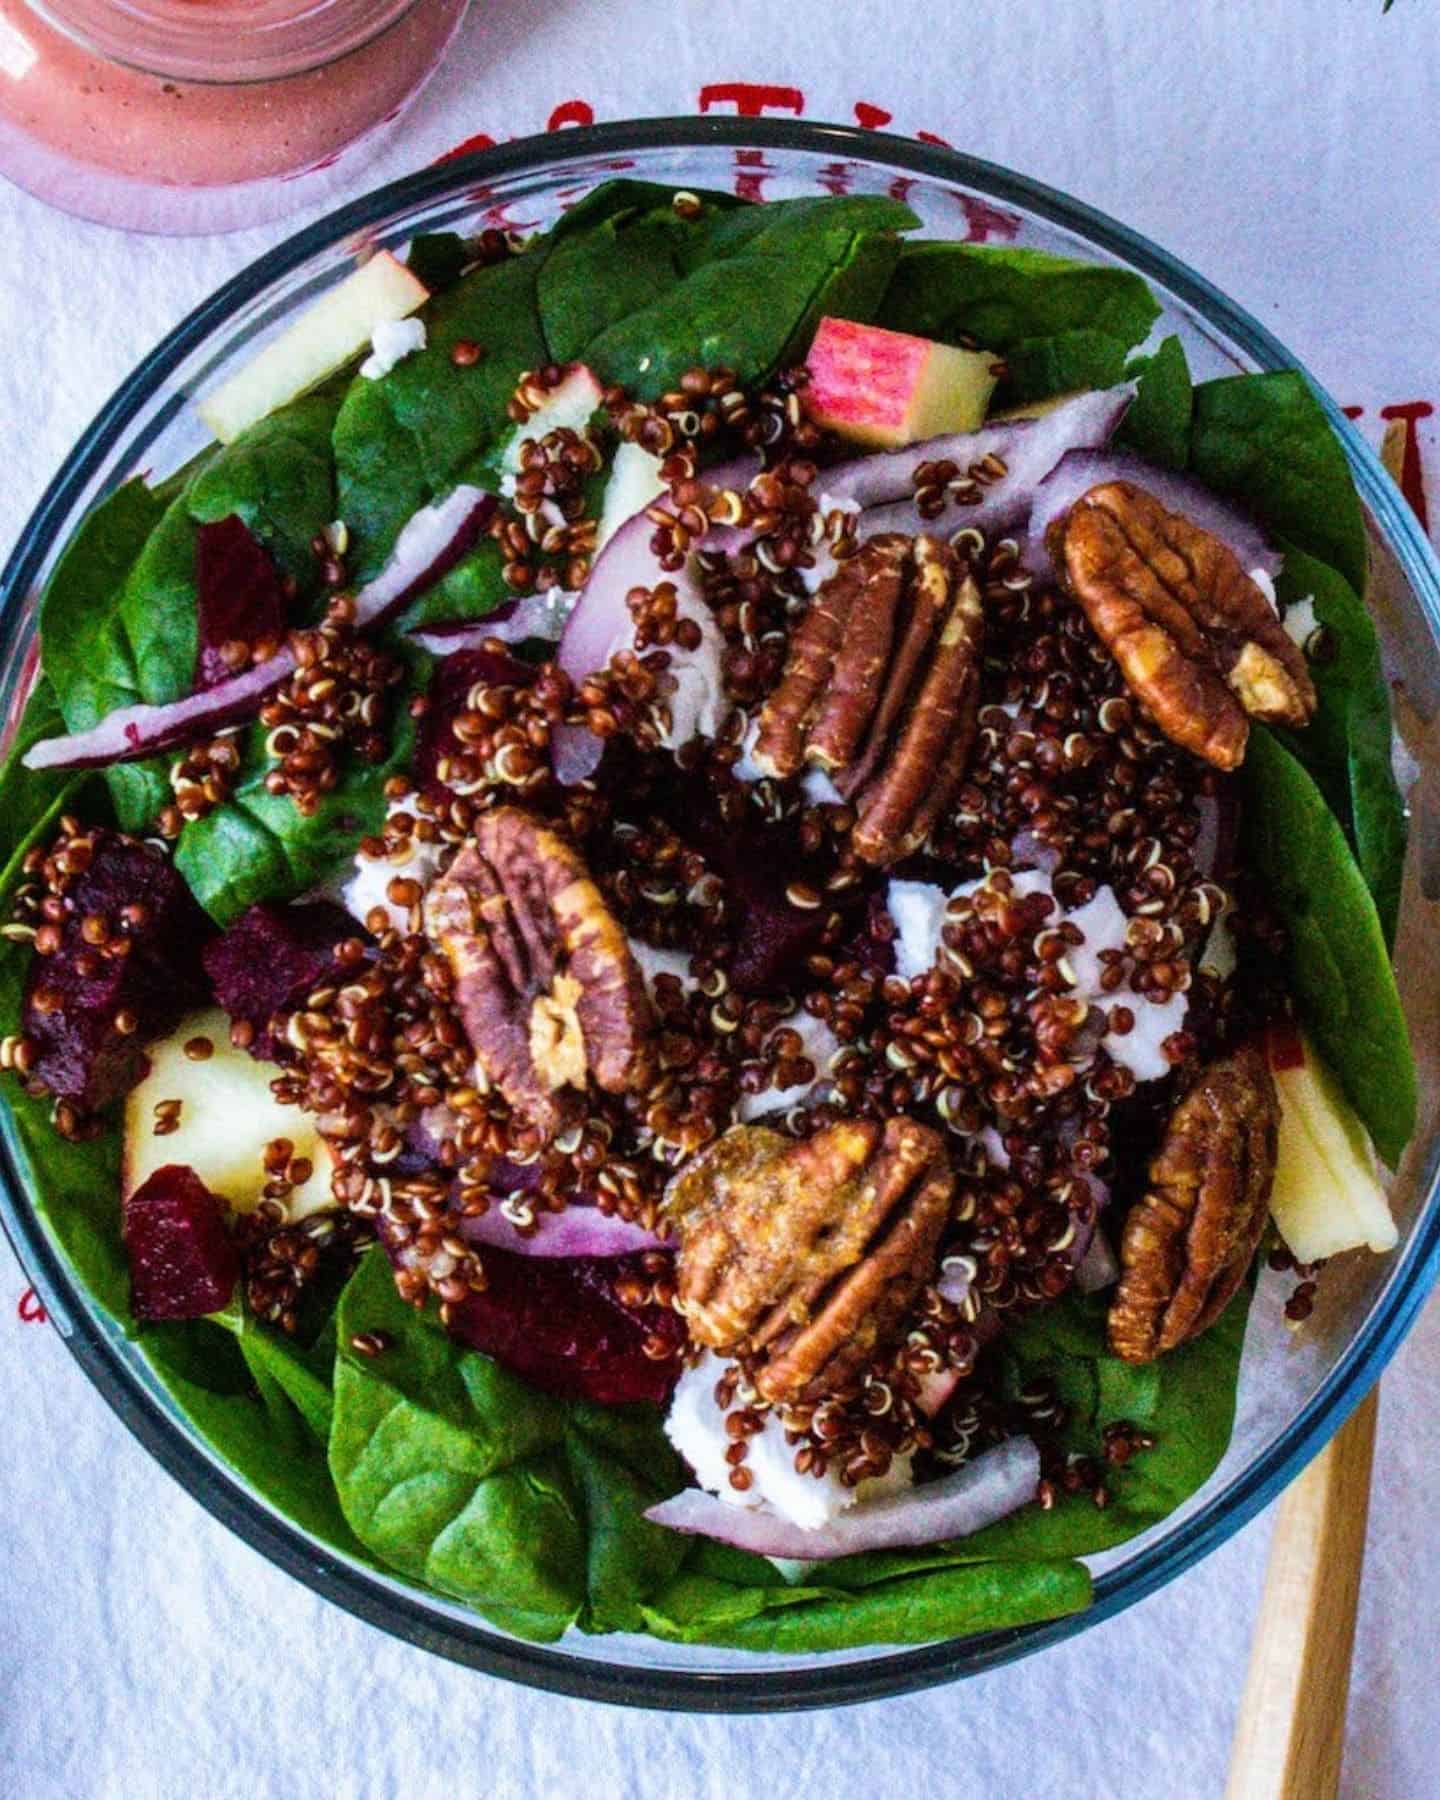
[{"x": 205, "y": 115}]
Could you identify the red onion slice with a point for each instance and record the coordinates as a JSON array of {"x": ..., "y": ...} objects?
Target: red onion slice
[
  {"x": 1082, "y": 469},
  {"x": 536, "y": 616},
  {"x": 1098, "y": 1267},
  {"x": 997, "y": 1483},
  {"x": 133, "y": 731},
  {"x": 1030, "y": 448},
  {"x": 430, "y": 545},
  {"x": 578, "y": 1231}
]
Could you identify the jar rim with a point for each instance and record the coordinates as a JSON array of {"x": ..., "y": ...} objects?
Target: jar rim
[{"x": 222, "y": 42}]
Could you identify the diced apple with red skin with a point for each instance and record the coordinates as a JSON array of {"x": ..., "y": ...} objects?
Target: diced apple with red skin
[
  {"x": 183, "y": 1263},
  {"x": 885, "y": 389},
  {"x": 1327, "y": 1197},
  {"x": 227, "y": 1116},
  {"x": 328, "y": 333}
]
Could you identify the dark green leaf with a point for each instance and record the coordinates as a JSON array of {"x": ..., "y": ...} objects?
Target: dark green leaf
[
  {"x": 612, "y": 199},
  {"x": 1036, "y": 368},
  {"x": 408, "y": 438},
  {"x": 807, "y": 258},
  {"x": 1157, "y": 426},
  {"x": 1265, "y": 441},
  {"x": 1001, "y": 298},
  {"x": 457, "y": 1474},
  {"x": 1347, "y": 745},
  {"x": 437, "y": 258},
  {"x": 1339, "y": 966}
]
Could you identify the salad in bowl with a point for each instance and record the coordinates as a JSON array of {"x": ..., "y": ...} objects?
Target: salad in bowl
[{"x": 678, "y": 924}]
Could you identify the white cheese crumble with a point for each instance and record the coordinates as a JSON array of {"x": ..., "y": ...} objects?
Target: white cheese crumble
[
  {"x": 696, "y": 701},
  {"x": 818, "y": 1044},
  {"x": 366, "y": 888},
  {"x": 655, "y": 962},
  {"x": 391, "y": 342},
  {"x": 695, "y": 1425},
  {"x": 1300, "y": 621},
  {"x": 918, "y": 910},
  {"x": 1267, "y": 587}
]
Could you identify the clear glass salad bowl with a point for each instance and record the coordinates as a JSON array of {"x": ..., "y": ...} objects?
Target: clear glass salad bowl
[{"x": 1296, "y": 1388}]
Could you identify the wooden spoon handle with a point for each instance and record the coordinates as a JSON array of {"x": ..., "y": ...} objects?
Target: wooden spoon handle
[{"x": 1291, "y": 1733}]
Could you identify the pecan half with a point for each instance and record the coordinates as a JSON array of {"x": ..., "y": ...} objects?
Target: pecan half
[
  {"x": 805, "y": 1256},
  {"x": 545, "y": 982},
  {"x": 880, "y": 688},
  {"x": 1195, "y": 638},
  {"x": 1188, "y": 1242}
]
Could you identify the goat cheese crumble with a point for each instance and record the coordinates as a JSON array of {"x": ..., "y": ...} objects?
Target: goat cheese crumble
[{"x": 391, "y": 342}]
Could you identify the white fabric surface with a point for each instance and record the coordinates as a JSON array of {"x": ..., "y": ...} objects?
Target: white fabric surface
[{"x": 1289, "y": 153}]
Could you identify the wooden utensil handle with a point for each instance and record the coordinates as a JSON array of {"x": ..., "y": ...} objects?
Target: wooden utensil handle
[{"x": 1291, "y": 1733}]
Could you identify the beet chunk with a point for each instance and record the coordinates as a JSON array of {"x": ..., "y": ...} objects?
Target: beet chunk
[
  {"x": 556, "y": 1321},
  {"x": 240, "y": 598},
  {"x": 78, "y": 996},
  {"x": 449, "y": 689},
  {"x": 183, "y": 1263},
  {"x": 269, "y": 958}
]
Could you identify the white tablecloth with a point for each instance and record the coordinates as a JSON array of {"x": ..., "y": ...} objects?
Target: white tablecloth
[{"x": 1288, "y": 151}]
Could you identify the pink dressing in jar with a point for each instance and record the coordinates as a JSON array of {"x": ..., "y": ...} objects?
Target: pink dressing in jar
[{"x": 205, "y": 115}]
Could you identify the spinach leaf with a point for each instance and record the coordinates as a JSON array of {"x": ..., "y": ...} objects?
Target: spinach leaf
[
  {"x": 409, "y": 437},
  {"x": 913, "y": 1609},
  {"x": 1339, "y": 965},
  {"x": 1157, "y": 426},
  {"x": 1060, "y": 324},
  {"x": 623, "y": 197},
  {"x": 1347, "y": 745},
  {"x": 806, "y": 258},
  {"x": 118, "y": 619},
  {"x": 595, "y": 278},
  {"x": 1265, "y": 441},
  {"x": 257, "y": 846},
  {"x": 258, "y": 1402},
  {"x": 26, "y": 794},
  {"x": 1185, "y": 1400},
  {"x": 437, "y": 258},
  {"x": 455, "y": 1473}
]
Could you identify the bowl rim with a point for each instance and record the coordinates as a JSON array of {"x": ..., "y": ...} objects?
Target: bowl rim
[{"x": 390, "y": 1607}]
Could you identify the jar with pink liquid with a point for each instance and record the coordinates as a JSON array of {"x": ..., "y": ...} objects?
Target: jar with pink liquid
[{"x": 205, "y": 115}]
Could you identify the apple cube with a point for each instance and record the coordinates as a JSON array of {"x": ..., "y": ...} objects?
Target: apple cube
[
  {"x": 1326, "y": 1197},
  {"x": 634, "y": 483},
  {"x": 328, "y": 333},
  {"x": 227, "y": 1117},
  {"x": 884, "y": 389},
  {"x": 182, "y": 1261}
]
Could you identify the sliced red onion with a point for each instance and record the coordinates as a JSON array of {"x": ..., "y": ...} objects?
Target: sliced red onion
[
  {"x": 1082, "y": 469},
  {"x": 133, "y": 731},
  {"x": 578, "y": 1231},
  {"x": 997, "y": 1483},
  {"x": 1029, "y": 448},
  {"x": 536, "y": 616},
  {"x": 1219, "y": 836},
  {"x": 934, "y": 1389},
  {"x": 430, "y": 545},
  {"x": 1098, "y": 1267}
]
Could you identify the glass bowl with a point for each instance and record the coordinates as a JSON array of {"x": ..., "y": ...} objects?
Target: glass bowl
[{"x": 1296, "y": 1388}]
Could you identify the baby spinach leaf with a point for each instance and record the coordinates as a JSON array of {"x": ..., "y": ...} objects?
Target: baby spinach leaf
[
  {"x": 1018, "y": 301},
  {"x": 455, "y": 1473},
  {"x": 1339, "y": 966},
  {"x": 623, "y": 197},
  {"x": 1265, "y": 441},
  {"x": 409, "y": 437},
  {"x": 1347, "y": 745},
  {"x": 807, "y": 258},
  {"x": 1157, "y": 426},
  {"x": 592, "y": 279},
  {"x": 921, "y": 1608},
  {"x": 437, "y": 258},
  {"x": 118, "y": 620},
  {"x": 1036, "y": 368},
  {"x": 236, "y": 1384}
]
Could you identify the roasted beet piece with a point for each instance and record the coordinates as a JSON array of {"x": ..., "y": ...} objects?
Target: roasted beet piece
[
  {"x": 557, "y": 1322},
  {"x": 126, "y": 967},
  {"x": 270, "y": 958},
  {"x": 182, "y": 1261},
  {"x": 240, "y": 598},
  {"x": 449, "y": 689}
]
